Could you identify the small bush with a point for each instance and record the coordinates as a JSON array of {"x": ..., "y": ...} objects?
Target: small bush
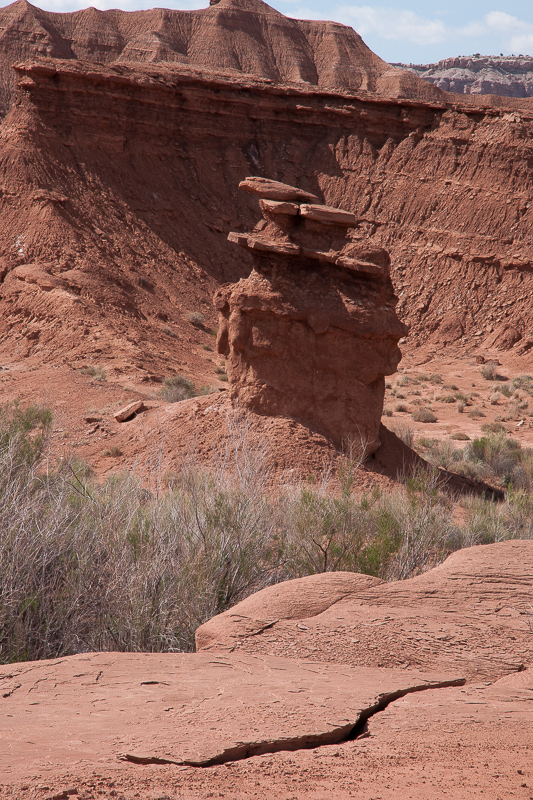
[
  {"x": 489, "y": 370},
  {"x": 401, "y": 408},
  {"x": 424, "y": 415},
  {"x": 493, "y": 427},
  {"x": 98, "y": 373},
  {"x": 476, "y": 413},
  {"x": 196, "y": 318},
  {"x": 169, "y": 331},
  {"x": 460, "y": 436},
  {"x": 460, "y": 406},
  {"x": 177, "y": 388},
  {"x": 387, "y": 412},
  {"x": 435, "y": 378},
  {"x": 405, "y": 433},
  {"x": 113, "y": 452}
]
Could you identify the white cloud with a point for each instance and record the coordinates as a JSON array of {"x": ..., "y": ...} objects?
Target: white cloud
[
  {"x": 393, "y": 23},
  {"x": 511, "y": 33}
]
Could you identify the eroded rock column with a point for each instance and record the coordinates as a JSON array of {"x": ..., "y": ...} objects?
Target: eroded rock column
[{"x": 312, "y": 331}]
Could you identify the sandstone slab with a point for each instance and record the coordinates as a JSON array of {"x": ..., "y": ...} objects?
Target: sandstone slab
[
  {"x": 471, "y": 614},
  {"x": 195, "y": 709}
]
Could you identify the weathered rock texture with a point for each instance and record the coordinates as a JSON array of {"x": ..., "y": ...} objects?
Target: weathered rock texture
[
  {"x": 129, "y": 204},
  {"x": 509, "y": 76},
  {"x": 471, "y": 614},
  {"x": 312, "y": 332}
]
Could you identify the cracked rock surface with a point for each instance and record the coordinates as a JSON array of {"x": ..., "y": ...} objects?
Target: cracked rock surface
[
  {"x": 183, "y": 709},
  {"x": 227, "y": 723}
]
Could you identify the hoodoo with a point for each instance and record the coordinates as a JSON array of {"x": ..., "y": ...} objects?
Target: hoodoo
[{"x": 312, "y": 332}]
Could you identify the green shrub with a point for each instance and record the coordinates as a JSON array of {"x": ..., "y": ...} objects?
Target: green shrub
[{"x": 177, "y": 388}]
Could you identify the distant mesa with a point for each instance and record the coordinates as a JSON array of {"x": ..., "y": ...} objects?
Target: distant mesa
[
  {"x": 508, "y": 76},
  {"x": 312, "y": 332}
]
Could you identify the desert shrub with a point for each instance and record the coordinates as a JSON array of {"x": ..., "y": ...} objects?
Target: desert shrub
[
  {"x": 449, "y": 398},
  {"x": 113, "y": 452},
  {"x": 404, "y": 432},
  {"x": 402, "y": 408},
  {"x": 196, "y": 318},
  {"x": 402, "y": 380},
  {"x": 177, "y": 388},
  {"x": 460, "y": 436},
  {"x": 493, "y": 427},
  {"x": 98, "y": 373},
  {"x": 435, "y": 378},
  {"x": 424, "y": 415},
  {"x": 476, "y": 413},
  {"x": 489, "y": 370},
  {"x": 169, "y": 331},
  {"x": 460, "y": 406},
  {"x": 130, "y": 565},
  {"x": 387, "y": 412},
  {"x": 443, "y": 454}
]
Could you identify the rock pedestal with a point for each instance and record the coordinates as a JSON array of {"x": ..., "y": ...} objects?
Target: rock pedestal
[{"x": 312, "y": 331}]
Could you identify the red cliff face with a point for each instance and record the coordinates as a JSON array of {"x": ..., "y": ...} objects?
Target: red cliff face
[
  {"x": 233, "y": 36},
  {"x": 121, "y": 182}
]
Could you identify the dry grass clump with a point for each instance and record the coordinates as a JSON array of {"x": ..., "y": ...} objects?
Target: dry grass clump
[
  {"x": 489, "y": 371},
  {"x": 177, "y": 388},
  {"x": 424, "y": 415},
  {"x": 196, "y": 318},
  {"x": 137, "y": 564},
  {"x": 96, "y": 372}
]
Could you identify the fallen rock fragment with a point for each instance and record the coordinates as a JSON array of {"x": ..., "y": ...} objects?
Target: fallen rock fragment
[{"x": 128, "y": 411}]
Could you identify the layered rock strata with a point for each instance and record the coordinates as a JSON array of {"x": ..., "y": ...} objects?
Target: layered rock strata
[{"x": 312, "y": 331}]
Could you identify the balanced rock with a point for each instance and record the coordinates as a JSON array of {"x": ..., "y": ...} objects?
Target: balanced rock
[{"x": 312, "y": 332}]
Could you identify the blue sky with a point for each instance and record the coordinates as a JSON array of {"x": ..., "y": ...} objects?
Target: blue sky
[{"x": 397, "y": 30}]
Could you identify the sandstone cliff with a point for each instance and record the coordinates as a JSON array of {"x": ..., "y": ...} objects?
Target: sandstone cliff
[
  {"x": 232, "y": 36},
  {"x": 119, "y": 190}
]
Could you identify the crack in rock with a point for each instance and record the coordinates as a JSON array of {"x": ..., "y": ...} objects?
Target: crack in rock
[{"x": 345, "y": 733}]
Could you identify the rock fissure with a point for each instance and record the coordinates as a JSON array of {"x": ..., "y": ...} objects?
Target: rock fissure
[{"x": 338, "y": 735}]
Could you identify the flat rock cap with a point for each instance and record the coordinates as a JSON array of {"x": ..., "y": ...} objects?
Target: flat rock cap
[{"x": 274, "y": 190}]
